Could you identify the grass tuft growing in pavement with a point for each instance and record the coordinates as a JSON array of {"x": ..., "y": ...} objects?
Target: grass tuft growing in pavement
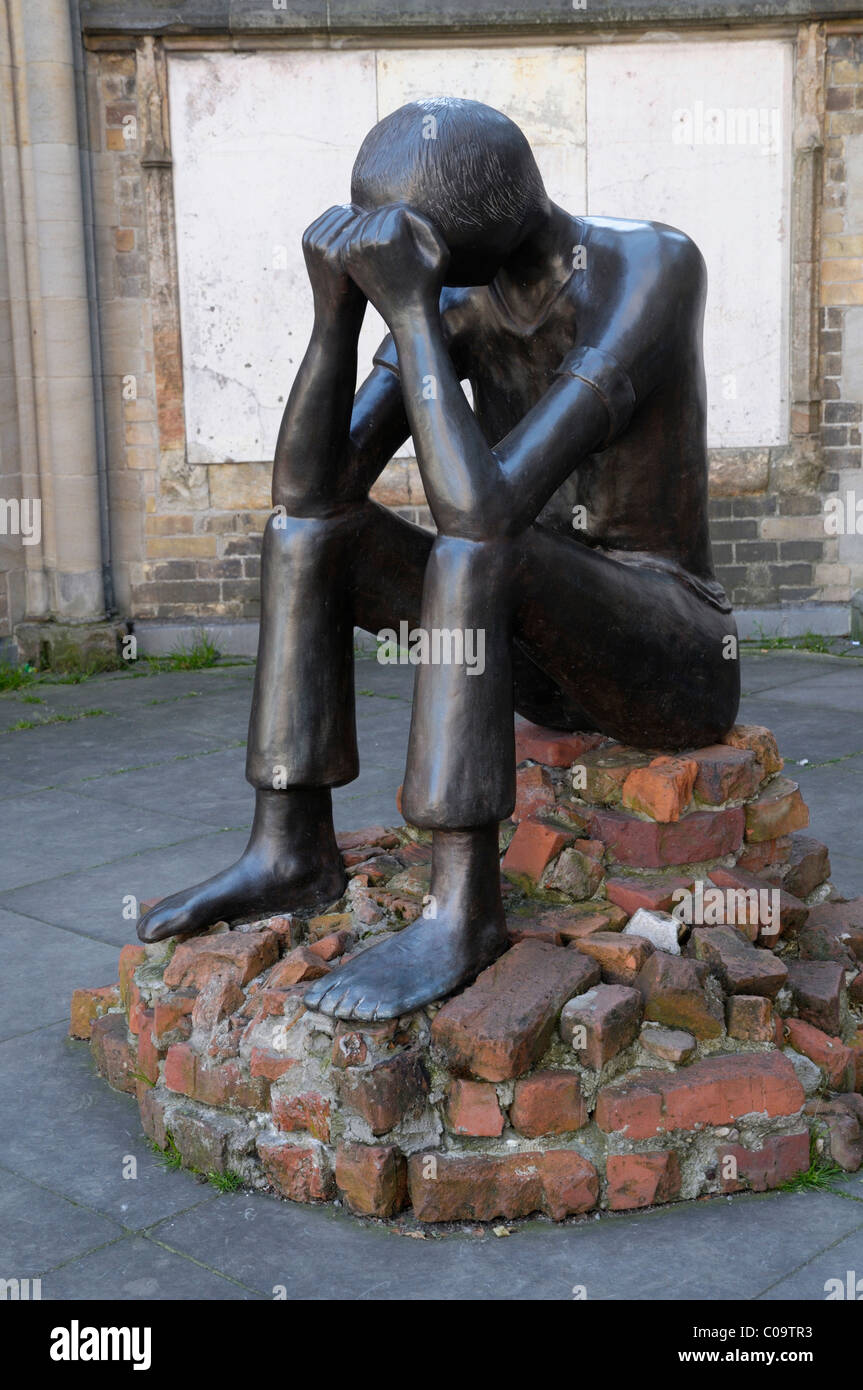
[
  {"x": 199, "y": 656},
  {"x": 818, "y": 1177},
  {"x": 224, "y": 1182},
  {"x": 56, "y": 719}
]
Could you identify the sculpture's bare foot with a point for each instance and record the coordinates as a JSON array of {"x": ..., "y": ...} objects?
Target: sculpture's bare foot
[
  {"x": 436, "y": 954},
  {"x": 291, "y": 861}
]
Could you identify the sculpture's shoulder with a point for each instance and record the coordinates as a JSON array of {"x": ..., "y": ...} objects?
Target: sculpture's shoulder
[{"x": 653, "y": 249}]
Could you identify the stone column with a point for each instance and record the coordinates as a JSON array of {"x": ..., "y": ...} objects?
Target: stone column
[{"x": 47, "y": 413}]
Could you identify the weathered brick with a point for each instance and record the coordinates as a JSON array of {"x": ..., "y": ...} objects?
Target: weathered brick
[
  {"x": 673, "y": 991},
  {"x": 112, "y": 1052},
  {"x": 130, "y": 959},
  {"x": 309, "y": 1111},
  {"x": 269, "y": 1064},
  {"x": 472, "y": 1108},
  {"x": 242, "y": 954},
  {"x": 759, "y": 741},
  {"x": 484, "y": 1187},
  {"x": 147, "y": 1053},
  {"x": 699, "y": 836},
  {"x": 549, "y": 746},
  {"x": 219, "y": 997},
  {"x": 655, "y": 894},
  {"x": 642, "y": 1179},
  {"x": 151, "y": 1107},
  {"x": 725, "y": 774},
  {"x": 386, "y": 1093},
  {"x": 601, "y": 1022},
  {"x": 88, "y": 1005},
  {"x": 172, "y": 1016},
  {"x": 619, "y": 957},
  {"x": 301, "y": 1173},
  {"x": 715, "y": 1091},
  {"x": 777, "y": 1161},
  {"x": 548, "y": 1102},
  {"x": 740, "y": 967},
  {"x": 224, "y": 1084},
  {"x": 829, "y": 1053},
  {"x": 808, "y": 865},
  {"x": 577, "y": 871},
  {"x": 662, "y": 790},
  {"x": 371, "y": 1179},
  {"x": 498, "y": 1027},
  {"x": 749, "y": 1018},
  {"x": 532, "y": 848},
  {"x": 754, "y": 901},
  {"x": 768, "y": 855},
  {"x": 604, "y": 772},
  {"x": 300, "y": 966},
  {"x": 777, "y": 811},
  {"x": 331, "y": 946},
  {"x": 834, "y": 931},
  {"x": 534, "y": 792},
  {"x": 817, "y": 987},
  {"x": 669, "y": 1044}
]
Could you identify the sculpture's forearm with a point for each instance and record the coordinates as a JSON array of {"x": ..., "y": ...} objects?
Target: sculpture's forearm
[
  {"x": 474, "y": 490},
  {"x": 313, "y": 439}
]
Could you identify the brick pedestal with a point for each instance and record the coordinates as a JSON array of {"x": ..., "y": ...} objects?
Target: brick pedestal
[{"x": 680, "y": 1011}]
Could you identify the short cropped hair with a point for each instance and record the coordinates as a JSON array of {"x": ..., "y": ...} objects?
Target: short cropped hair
[{"x": 462, "y": 164}]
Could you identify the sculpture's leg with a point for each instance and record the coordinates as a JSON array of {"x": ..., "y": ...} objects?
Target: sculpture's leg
[
  {"x": 460, "y": 782},
  {"x": 646, "y": 659}
]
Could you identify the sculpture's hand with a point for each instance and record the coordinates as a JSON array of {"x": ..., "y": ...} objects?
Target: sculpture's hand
[
  {"x": 335, "y": 293},
  {"x": 398, "y": 259}
]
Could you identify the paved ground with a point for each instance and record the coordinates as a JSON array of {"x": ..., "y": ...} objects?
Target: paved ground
[{"x": 146, "y": 796}]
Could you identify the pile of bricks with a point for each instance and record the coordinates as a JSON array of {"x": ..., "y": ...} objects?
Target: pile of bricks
[{"x": 679, "y": 1013}]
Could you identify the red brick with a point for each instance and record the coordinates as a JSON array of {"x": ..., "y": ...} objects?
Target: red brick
[
  {"x": 502, "y": 1024},
  {"x": 225, "y": 1084},
  {"x": 768, "y": 855},
  {"x": 577, "y": 872},
  {"x": 331, "y": 946},
  {"x": 749, "y": 1018},
  {"x": 759, "y": 1170},
  {"x": 817, "y": 987},
  {"x": 271, "y": 1065},
  {"x": 534, "y": 931},
  {"x": 642, "y": 1179},
  {"x": 532, "y": 848},
  {"x": 748, "y": 907},
  {"x": 834, "y": 931},
  {"x": 855, "y": 989},
  {"x": 700, "y": 836},
  {"x": 619, "y": 957},
  {"x": 758, "y": 740},
  {"x": 113, "y": 1053},
  {"x": 472, "y": 1108},
  {"x": 148, "y": 1053},
  {"x": 386, "y": 1093},
  {"x": 662, "y": 790},
  {"x": 243, "y": 954},
  {"x": 151, "y": 1107},
  {"x": 309, "y": 1111},
  {"x": 302, "y": 1174},
  {"x": 740, "y": 967},
  {"x": 673, "y": 992},
  {"x": 725, "y": 774},
  {"x": 550, "y": 746},
  {"x": 857, "y": 1054},
  {"x": 130, "y": 958},
  {"x": 655, "y": 894},
  {"x": 534, "y": 792},
  {"x": 220, "y": 997},
  {"x": 484, "y": 1187},
  {"x": 808, "y": 866},
  {"x": 377, "y": 836},
  {"x": 371, "y": 1179},
  {"x": 668, "y": 1044},
  {"x": 301, "y": 965},
  {"x": 777, "y": 811},
  {"x": 548, "y": 1102},
  {"x": 604, "y": 772},
  {"x": 599, "y": 1024},
  {"x": 324, "y": 925},
  {"x": 715, "y": 1091},
  {"x": 829, "y": 1053},
  {"x": 173, "y": 1013},
  {"x": 88, "y": 1005}
]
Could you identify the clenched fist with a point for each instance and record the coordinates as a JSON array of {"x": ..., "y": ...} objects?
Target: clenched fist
[
  {"x": 397, "y": 258},
  {"x": 323, "y": 247}
]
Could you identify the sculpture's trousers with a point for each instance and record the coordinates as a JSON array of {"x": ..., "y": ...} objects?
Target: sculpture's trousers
[{"x": 569, "y": 637}]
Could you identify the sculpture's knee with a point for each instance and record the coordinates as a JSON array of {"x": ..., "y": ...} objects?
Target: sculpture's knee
[
  {"x": 464, "y": 574},
  {"x": 309, "y": 542}
]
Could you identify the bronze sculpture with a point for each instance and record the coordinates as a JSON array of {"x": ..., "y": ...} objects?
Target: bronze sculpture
[{"x": 571, "y": 513}]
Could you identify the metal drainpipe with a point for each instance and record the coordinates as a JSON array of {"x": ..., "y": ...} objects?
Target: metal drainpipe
[{"x": 93, "y": 302}]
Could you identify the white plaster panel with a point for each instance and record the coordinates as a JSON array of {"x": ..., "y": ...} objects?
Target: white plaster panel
[{"x": 660, "y": 147}]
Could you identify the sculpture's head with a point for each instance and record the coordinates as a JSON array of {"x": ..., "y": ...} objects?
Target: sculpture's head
[{"x": 464, "y": 166}]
